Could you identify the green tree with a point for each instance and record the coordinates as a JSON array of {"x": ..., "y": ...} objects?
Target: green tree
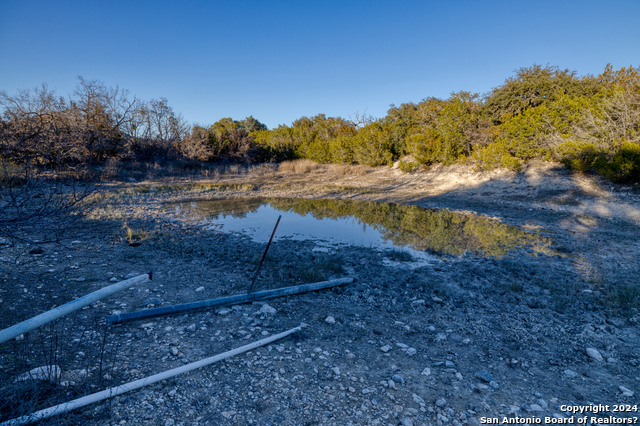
[{"x": 533, "y": 86}]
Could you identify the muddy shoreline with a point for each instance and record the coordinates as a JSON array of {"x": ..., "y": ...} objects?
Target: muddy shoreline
[{"x": 490, "y": 337}]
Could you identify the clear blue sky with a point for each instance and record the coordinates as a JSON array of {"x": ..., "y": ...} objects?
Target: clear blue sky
[{"x": 280, "y": 60}]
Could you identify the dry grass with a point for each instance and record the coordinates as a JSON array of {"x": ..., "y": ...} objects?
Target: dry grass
[
  {"x": 298, "y": 166},
  {"x": 265, "y": 169},
  {"x": 348, "y": 170}
]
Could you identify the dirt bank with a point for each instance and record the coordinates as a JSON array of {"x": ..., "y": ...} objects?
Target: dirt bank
[{"x": 445, "y": 343}]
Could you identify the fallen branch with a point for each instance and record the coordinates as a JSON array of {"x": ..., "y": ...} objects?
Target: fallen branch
[
  {"x": 118, "y": 390},
  {"x": 225, "y": 301},
  {"x": 46, "y": 317}
]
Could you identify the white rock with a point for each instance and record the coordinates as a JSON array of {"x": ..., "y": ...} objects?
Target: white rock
[
  {"x": 418, "y": 399},
  {"x": 593, "y": 353},
  {"x": 113, "y": 280},
  {"x": 336, "y": 370},
  {"x": 51, "y": 373},
  {"x": 426, "y": 371},
  {"x": 625, "y": 391},
  {"x": 412, "y": 351},
  {"x": 268, "y": 310},
  {"x": 199, "y": 289},
  {"x": 385, "y": 348},
  {"x": 570, "y": 373},
  {"x": 223, "y": 311},
  {"x": 330, "y": 320}
]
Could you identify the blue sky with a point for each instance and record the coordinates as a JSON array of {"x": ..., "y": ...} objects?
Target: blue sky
[{"x": 281, "y": 60}]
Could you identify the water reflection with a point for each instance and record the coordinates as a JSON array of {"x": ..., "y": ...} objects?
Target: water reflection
[{"x": 369, "y": 224}]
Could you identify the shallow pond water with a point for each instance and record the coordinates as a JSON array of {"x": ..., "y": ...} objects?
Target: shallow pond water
[{"x": 423, "y": 233}]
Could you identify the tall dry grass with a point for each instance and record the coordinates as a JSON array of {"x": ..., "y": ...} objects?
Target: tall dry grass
[{"x": 298, "y": 166}]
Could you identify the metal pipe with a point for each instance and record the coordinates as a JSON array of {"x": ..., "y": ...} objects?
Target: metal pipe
[
  {"x": 39, "y": 320},
  {"x": 264, "y": 255},
  {"x": 118, "y": 390},
  {"x": 231, "y": 300}
]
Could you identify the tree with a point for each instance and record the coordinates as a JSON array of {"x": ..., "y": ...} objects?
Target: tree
[{"x": 533, "y": 86}]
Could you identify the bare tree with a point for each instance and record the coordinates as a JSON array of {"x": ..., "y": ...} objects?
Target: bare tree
[{"x": 41, "y": 148}]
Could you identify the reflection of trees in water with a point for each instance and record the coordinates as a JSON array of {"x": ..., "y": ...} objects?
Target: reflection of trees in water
[
  {"x": 234, "y": 207},
  {"x": 440, "y": 231}
]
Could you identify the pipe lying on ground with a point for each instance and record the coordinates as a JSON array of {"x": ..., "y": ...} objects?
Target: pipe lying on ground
[
  {"x": 39, "y": 320},
  {"x": 118, "y": 390},
  {"x": 225, "y": 301}
]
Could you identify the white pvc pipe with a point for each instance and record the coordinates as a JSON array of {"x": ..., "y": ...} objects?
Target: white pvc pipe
[
  {"x": 118, "y": 390},
  {"x": 37, "y": 321}
]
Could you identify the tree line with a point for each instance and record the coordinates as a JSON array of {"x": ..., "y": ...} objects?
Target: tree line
[{"x": 589, "y": 123}]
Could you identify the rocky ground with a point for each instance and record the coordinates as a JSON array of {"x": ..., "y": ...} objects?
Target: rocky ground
[{"x": 449, "y": 342}]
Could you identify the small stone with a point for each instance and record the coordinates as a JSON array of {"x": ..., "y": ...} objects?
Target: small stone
[
  {"x": 426, "y": 371},
  {"x": 172, "y": 392},
  {"x": 228, "y": 414},
  {"x": 595, "y": 354},
  {"x": 199, "y": 289},
  {"x": 146, "y": 325},
  {"x": 406, "y": 422},
  {"x": 80, "y": 279},
  {"x": 494, "y": 385},
  {"x": 336, "y": 370},
  {"x": 48, "y": 372},
  {"x": 449, "y": 364},
  {"x": 484, "y": 375},
  {"x": 391, "y": 384},
  {"x": 398, "y": 379},
  {"x": 330, "y": 320},
  {"x": 113, "y": 280},
  {"x": 169, "y": 422},
  {"x": 441, "y": 402},
  {"x": 412, "y": 351},
  {"x": 352, "y": 389},
  {"x": 154, "y": 301},
  {"x": 536, "y": 407},
  {"x": 570, "y": 373},
  {"x": 626, "y": 391},
  {"x": 174, "y": 351},
  {"x": 131, "y": 275},
  {"x": 191, "y": 328},
  {"x": 385, "y": 348},
  {"x": 418, "y": 399},
  {"x": 268, "y": 310},
  {"x": 223, "y": 311}
]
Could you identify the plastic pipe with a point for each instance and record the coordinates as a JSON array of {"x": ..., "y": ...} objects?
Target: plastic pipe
[
  {"x": 264, "y": 255},
  {"x": 118, "y": 390},
  {"x": 225, "y": 301},
  {"x": 37, "y": 321}
]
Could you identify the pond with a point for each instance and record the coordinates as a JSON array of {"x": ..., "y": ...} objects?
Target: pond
[{"x": 423, "y": 233}]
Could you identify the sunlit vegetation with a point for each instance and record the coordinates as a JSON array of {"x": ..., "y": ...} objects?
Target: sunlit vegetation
[{"x": 589, "y": 123}]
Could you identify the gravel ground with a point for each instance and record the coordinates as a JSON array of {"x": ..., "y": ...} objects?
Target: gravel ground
[{"x": 460, "y": 340}]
